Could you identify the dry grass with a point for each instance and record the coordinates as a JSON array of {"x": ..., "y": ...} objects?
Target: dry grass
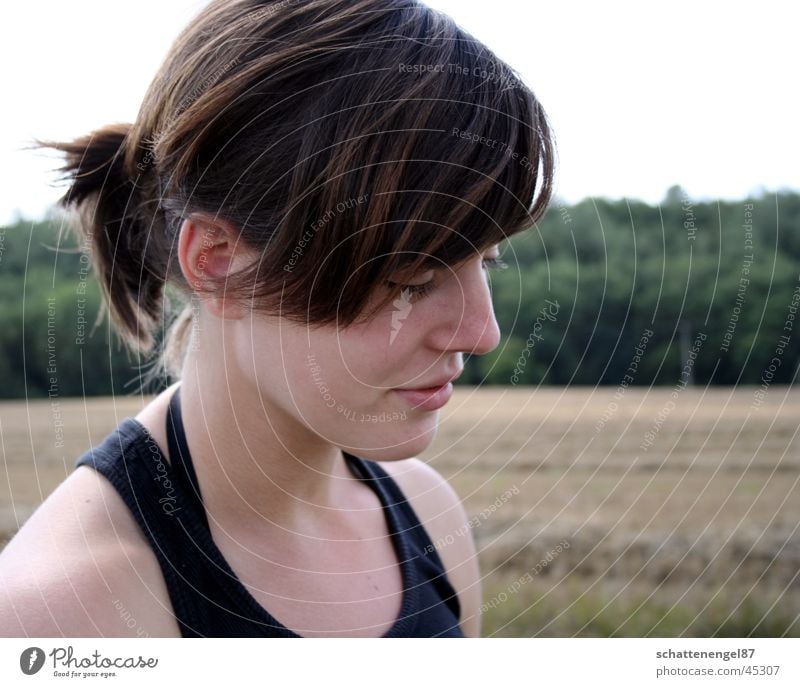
[{"x": 695, "y": 536}]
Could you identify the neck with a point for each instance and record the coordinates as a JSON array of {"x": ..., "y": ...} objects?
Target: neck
[{"x": 253, "y": 461}]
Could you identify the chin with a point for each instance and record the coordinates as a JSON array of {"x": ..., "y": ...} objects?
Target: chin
[{"x": 414, "y": 441}]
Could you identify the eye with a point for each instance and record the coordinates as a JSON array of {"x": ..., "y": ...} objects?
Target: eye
[
  {"x": 495, "y": 263},
  {"x": 413, "y": 292}
]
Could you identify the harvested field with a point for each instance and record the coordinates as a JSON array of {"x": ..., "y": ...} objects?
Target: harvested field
[{"x": 645, "y": 515}]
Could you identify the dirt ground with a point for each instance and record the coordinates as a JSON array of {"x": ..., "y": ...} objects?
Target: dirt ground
[{"x": 635, "y": 515}]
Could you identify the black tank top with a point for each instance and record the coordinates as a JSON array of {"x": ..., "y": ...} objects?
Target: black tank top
[{"x": 207, "y": 597}]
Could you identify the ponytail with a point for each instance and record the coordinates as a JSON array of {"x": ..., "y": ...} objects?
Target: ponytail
[{"x": 118, "y": 222}]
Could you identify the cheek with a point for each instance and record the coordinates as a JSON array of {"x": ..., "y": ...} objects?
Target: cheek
[
  {"x": 325, "y": 369},
  {"x": 338, "y": 386},
  {"x": 363, "y": 354},
  {"x": 351, "y": 371}
]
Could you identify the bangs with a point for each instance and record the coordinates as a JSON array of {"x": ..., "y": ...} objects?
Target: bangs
[{"x": 475, "y": 167}]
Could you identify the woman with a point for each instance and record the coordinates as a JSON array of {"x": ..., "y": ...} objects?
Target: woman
[{"x": 324, "y": 185}]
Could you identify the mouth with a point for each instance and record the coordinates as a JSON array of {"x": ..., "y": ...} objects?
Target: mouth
[{"x": 431, "y": 398}]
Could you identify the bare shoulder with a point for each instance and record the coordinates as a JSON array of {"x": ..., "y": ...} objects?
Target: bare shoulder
[
  {"x": 80, "y": 566},
  {"x": 439, "y": 509}
]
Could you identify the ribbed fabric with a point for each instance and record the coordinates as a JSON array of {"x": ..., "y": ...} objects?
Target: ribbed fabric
[{"x": 207, "y": 597}]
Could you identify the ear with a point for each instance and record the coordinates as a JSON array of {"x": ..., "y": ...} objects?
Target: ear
[{"x": 209, "y": 247}]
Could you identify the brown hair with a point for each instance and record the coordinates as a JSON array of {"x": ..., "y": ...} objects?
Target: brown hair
[{"x": 344, "y": 139}]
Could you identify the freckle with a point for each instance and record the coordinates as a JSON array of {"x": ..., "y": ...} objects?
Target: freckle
[{"x": 374, "y": 586}]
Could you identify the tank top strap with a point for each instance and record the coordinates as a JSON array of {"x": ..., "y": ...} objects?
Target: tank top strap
[
  {"x": 382, "y": 482},
  {"x": 416, "y": 540},
  {"x": 182, "y": 466}
]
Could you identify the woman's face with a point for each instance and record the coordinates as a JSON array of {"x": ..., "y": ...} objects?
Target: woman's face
[{"x": 351, "y": 386}]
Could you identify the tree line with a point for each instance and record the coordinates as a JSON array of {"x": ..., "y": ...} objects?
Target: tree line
[{"x": 612, "y": 292}]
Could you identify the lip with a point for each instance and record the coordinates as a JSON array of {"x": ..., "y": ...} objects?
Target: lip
[
  {"x": 427, "y": 399},
  {"x": 431, "y": 397},
  {"x": 438, "y": 382}
]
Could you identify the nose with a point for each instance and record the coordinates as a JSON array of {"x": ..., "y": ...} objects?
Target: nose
[{"x": 469, "y": 323}]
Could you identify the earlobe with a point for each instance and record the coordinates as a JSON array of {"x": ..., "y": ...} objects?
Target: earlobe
[{"x": 208, "y": 251}]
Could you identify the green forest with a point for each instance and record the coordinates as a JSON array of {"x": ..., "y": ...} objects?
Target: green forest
[{"x": 613, "y": 292}]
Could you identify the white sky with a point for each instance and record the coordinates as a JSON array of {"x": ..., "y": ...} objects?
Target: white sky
[{"x": 642, "y": 95}]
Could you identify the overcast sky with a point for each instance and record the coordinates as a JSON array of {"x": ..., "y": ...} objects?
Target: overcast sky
[{"x": 642, "y": 95}]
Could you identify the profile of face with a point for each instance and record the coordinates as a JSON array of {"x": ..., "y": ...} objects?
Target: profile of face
[{"x": 348, "y": 386}]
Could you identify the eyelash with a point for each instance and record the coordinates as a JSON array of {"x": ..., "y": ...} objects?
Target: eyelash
[{"x": 417, "y": 291}]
